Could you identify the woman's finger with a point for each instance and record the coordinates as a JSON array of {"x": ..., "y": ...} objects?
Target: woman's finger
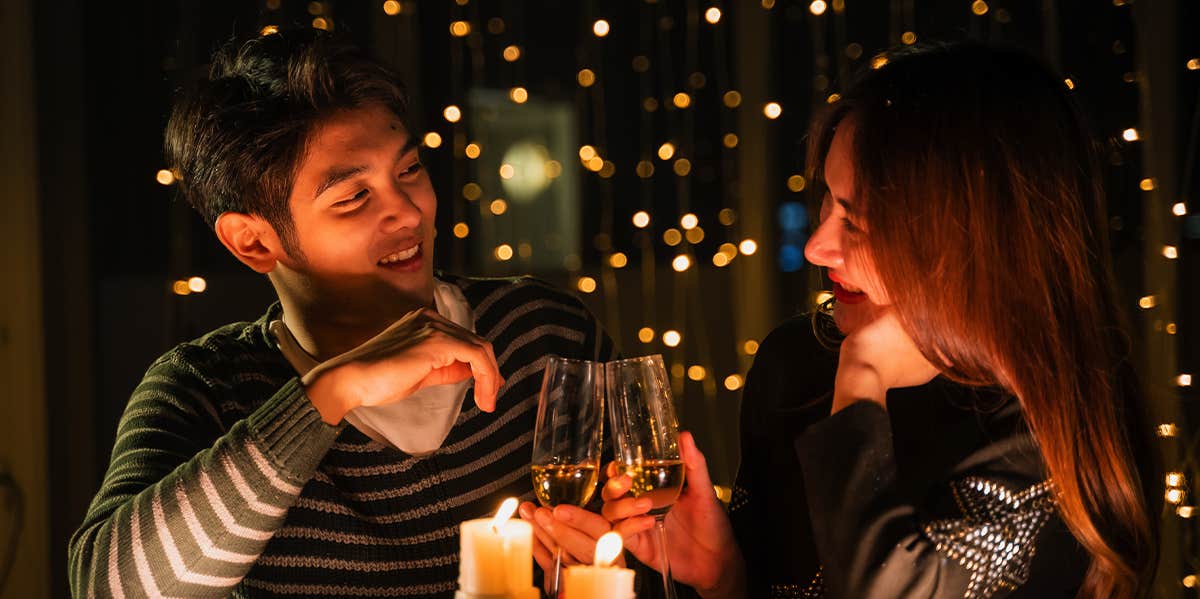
[
  {"x": 617, "y": 486},
  {"x": 587, "y": 522},
  {"x": 628, "y": 507},
  {"x": 696, "y": 466}
]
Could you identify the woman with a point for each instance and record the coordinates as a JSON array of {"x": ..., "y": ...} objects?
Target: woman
[{"x": 981, "y": 431}]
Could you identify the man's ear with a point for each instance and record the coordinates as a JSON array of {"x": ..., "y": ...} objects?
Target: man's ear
[{"x": 251, "y": 239}]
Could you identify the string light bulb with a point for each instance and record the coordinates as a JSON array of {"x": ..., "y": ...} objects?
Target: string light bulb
[
  {"x": 518, "y": 95},
  {"x": 392, "y": 8},
  {"x": 1147, "y": 184},
  {"x": 164, "y": 177},
  {"x": 1184, "y": 380},
  {"x": 979, "y": 8},
  {"x": 432, "y": 139},
  {"x": 1174, "y": 496},
  {"x": 1147, "y": 301},
  {"x": 772, "y": 110},
  {"x": 600, "y": 28},
  {"x": 472, "y": 150},
  {"x": 748, "y": 247},
  {"x": 586, "y": 284},
  {"x": 817, "y": 7},
  {"x": 1170, "y": 252},
  {"x": 733, "y": 382},
  {"x": 498, "y": 206},
  {"x": 197, "y": 284},
  {"x": 452, "y": 113},
  {"x": 732, "y": 98},
  {"x": 645, "y": 334},
  {"x": 1185, "y": 511},
  {"x": 682, "y": 100},
  {"x": 666, "y": 151},
  {"x": 750, "y": 347},
  {"x": 672, "y": 338},
  {"x": 681, "y": 263},
  {"x": 512, "y": 53},
  {"x": 712, "y": 15},
  {"x": 1167, "y": 429},
  {"x": 460, "y": 28},
  {"x": 504, "y": 252},
  {"x": 697, "y": 372},
  {"x": 462, "y": 230},
  {"x": 641, "y": 219},
  {"x": 1130, "y": 134},
  {"x": 1179, "y": 209},
  {"x": 586, "y": 77},
  {"x": 1174, "y": 479},
  {"x": 268, "y": 30},
  {"x": 689, "y": 221},
  {"x": 618, "y": 260}
]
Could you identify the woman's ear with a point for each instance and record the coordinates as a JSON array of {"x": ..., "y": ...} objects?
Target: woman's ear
[{"x": 251, "y": 239}]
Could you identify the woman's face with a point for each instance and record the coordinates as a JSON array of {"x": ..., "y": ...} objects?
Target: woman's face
[{"x": 840, "y": 242}]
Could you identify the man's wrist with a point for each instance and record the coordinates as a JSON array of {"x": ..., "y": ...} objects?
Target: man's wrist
[{"x": 322, "y": 391}]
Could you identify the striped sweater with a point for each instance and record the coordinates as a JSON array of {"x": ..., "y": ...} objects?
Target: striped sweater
[{"x": 224, "y": 480}]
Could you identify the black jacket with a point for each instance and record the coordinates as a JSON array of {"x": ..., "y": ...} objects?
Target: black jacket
[{"x": 941, "y": 495}]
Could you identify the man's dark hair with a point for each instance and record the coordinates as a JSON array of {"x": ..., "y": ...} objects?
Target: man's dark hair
[{"x": 237, "y": 139}]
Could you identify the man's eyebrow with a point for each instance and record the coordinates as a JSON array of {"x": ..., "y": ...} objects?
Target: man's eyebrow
[{"x": 337, "y": 175}]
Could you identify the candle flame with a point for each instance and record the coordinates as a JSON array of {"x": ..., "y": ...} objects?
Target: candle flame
[
  {"x": 507, "y": 509},
  {"x": 608, "y": 547}
]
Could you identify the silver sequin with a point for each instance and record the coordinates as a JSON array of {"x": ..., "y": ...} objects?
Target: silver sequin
[{"x": 994, "y": 539}]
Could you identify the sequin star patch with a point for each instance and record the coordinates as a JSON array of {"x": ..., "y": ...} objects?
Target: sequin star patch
[{"x": 994, "y": 539}]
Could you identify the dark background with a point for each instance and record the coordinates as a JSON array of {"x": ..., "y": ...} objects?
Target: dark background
[{"x": 115, "y": 241}]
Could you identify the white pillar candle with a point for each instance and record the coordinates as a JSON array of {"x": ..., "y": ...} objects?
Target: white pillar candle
[
  {"x": 496, "y": 557},
  {"x": 601, "y": 580}
]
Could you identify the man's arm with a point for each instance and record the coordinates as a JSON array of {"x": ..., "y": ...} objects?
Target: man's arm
[{"x": 186, "y": 508}]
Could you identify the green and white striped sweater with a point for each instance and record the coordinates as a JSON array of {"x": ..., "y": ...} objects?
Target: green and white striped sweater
[{"x": 224, "y": 480}]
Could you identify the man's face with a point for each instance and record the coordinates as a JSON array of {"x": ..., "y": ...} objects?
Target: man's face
[{"x": 363, "y": 210}]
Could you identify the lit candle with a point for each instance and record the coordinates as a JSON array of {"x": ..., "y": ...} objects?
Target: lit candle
[
  {"x": 496, "y": 557},
  {"x": 601, "y": 580}
]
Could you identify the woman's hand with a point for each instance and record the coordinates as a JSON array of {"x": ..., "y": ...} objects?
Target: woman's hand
[
  {"x": 701, "y": 547},
  {"x": 875, "y": 357}
]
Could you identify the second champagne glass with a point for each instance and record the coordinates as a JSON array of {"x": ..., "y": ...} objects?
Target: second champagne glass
[
  {"x": 567, "y": 438},
  {"x": 646, "y": 440}
]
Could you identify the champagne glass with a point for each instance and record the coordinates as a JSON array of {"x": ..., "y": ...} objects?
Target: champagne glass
[
  {"x": 646, "y": 440},
  {"x": 567, "y": 438}
]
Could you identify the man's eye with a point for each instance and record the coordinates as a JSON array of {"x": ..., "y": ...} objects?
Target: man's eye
[
  {"x": 412, "y": 170},
  {"x": 346, "y": 203}
]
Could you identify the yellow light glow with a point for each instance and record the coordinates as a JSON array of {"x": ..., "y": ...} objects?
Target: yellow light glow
[
  {"x": 1183, "y": 380},
  {"x": 650, "y": 104},
  {"x": 908, "y": 38},
  {"x": 821, "y": 297},
  {"x": 1070, "y": 83},
  {"x": 748, "y": 247},
  {"x": 1170, "y": 328},
  {"x": 197, "y": 284},
  {"x": 682, "y": 167},
  {"x": 460, "y": 28},
  {"x": 733, "y": 382},
  {"x": 524, "y": 249},
  {"x": 504, "y": 252},
  {"x": 452, "y": 113},
  {"x": 796, "y": 183},
  {"x": 818, "y": 7},
  {"x": 461, "y": 230},
  {"x": 587, "y": 153},
  {"x": 594, "y": 164},
  {"x": 392, "y": 8},
  {"x": 682, "y": 100},
  {"x": 640, "y": 64},
  {"x": 506, "y": 511},
  {"x": 512, "y": 53},
  {"x": 268, "y": 30},
  {"x": 641, "y": 219},
  {"x": 507, "y": 171},
  {"x": 729, "y": 250},
  {"x": 321, "y": 23},
  {"x": 1147, "y": 302},
  {"x": 878, "y": 61},
  {"x": 518, "y": 94},
  {"x": 1189, "y": 581},
  {"x": 645, "y": 169},
  {"x": 498, "y": 206},
  {"x": 586, "y": 77},
  {"x": 726, "y": 216},
  {"x": 432, "y": 139},
  {"x": 1174, "y": 479},
  {"x": 979, "y": 7},
  {"x": 553, "y": 169},
  {"x": 316, "y": 8},
  {"x": 608, "y": 547},
  {"x": 689, "y": 221},
  {"x": 666, "y": 151},
  {"x": 697, "y": 372},
  {"x": 495, "y": 25},
  {"x": 833, "y": 98},
  {"x": 1193, "y": 64},
  {"x": 1170, "y": 252},
  {"x": 750, "y": 347},
  {"x": 854, "y": 51},
  {"x": 772, "y": 110},
  {"x": 1179, "y": 209},
  {"x": 1167, "y": 430},
  {"x": 712, "y": 15},
  {"x": 1185, "y": 511},
  {"x": 768, "y": 4},
  {"x": 730, "y": 140},
  {"x": 600, "y": 28},
  {"x": 1147, "y": 184},
  {"x": 732, "y": 98},
  {"x": 618, "y": 260},
  {"x": 472, "y": 191},
  {"x": 607, "y": 169},
  {"x": 472, "y": 150},
  {"x": 1130, "y": 134},
  {"x": 672, "y": 338},
  {"x": 181, "y": 288},
  {"x": 645, "y": 334},
  {"x": 586, "y": 284},
  {"x": 681, "y": 263},
  {"x": 1174, "y": 496},
  {"x": 672, "y": 237},
  {"x": 695, "y": 235},
  {"x": 164, "y": 177}
]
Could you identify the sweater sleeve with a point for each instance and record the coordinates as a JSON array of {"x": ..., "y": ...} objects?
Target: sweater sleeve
[
  {"x": 873, "y": 543},
  {"x": 186, "y": 507}
]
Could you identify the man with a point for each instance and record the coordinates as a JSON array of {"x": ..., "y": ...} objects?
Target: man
[{"x": 332, "y": 447}]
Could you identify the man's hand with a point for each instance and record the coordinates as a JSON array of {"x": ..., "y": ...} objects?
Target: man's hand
[{"x": 421, "y": 350}]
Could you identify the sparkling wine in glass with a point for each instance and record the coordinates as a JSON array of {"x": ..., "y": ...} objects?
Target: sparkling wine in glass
[
  {"x": 567, "y": 438},
  {"x": 646, "y": 439}
]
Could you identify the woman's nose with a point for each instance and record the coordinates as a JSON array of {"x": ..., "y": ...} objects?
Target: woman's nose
[{"x": 824, "y": 248}]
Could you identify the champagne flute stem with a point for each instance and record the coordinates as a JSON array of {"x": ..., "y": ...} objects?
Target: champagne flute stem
[
  {"x": 557, "y": 588},
  {"x": 668, "y": 586}
]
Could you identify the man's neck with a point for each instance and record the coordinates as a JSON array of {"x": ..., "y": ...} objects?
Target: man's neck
[{"x": 324, "y": 332}]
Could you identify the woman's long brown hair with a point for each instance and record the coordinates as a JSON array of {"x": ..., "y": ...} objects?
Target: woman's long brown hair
[{"x": 985, "y": 219}]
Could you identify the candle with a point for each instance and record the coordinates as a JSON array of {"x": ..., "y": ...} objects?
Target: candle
[
  {"x": 601, "y": 580},
  {"x": 496, "y": 557}
]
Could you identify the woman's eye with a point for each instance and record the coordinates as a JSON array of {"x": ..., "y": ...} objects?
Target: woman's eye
[{"x": 849, "y": 226}]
